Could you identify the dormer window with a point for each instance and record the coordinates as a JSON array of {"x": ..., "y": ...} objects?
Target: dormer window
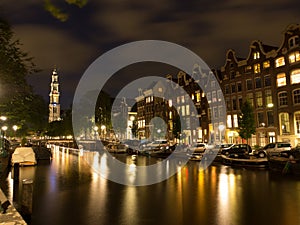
[
  {"x": 293, "y": 41},
  {"x": 256, "y": 55},
  {"x": 279, "y": 62},
  {"x": 294, "y": 57}
]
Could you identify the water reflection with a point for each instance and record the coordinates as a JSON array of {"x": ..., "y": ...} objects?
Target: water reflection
[{"x": 69, "y": 191}]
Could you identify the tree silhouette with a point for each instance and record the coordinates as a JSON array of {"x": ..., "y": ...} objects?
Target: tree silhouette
[
  {"x": 17, "y": 101},
  {"x": 246, "y": 121}
]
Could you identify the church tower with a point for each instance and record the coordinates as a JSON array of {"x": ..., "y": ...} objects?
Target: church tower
[{"x": 54, "y": 106}]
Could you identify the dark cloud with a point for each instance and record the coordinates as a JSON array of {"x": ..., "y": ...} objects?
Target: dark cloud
[{"x": 206, "y": 27}]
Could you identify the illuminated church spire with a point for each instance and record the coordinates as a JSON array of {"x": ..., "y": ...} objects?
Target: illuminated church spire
[{"x": 54, "y": 106}]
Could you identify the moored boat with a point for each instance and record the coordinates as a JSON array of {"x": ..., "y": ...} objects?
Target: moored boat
[
  {"x": 116, "y": 148},
  {"x": 284, "y": 165},
  {"x": 245, "y": 162},
  {"x": 24, "y": 156}
]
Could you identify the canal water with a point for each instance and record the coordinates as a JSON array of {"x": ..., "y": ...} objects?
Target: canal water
[{"x": 68, "y": 191}]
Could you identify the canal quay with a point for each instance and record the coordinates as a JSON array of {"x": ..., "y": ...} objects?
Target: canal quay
[{"x": 67, "y": 190}]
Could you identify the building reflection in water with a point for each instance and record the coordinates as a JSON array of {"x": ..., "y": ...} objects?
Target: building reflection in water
[
  {"x": 70, "y": 190},
  {"x": 227, "y": 197}
]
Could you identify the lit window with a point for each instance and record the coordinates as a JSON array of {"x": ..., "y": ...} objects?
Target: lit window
[
  {"x": 170, "y": 115},
  {"x": 282, "y": 98},
  {"x": 296, "y": 96},
  {"x": 256, "y": 55},
  {"x": 294, "y": 57},
  {"x": 297, "y": 121},
  {"x": 229, "y": 121},
  {"x": 257, "y": 68},
  {"x": 235, "y": 120},
  {"x": 193, "y": 96},
  {"x": 266, "y": 64},
  {"x": 187, "y": 110},
  {"x": 295, "y": 76},
  {"x": 182, "y": 98},
  {"x": 219, "y": 94},
  {"x": 248, "y": 68},
  {"x": 284, "y": 123},
  {"x": 170, "y": 103},
  {"x": 198, "y": 97},
  {"x": 178, "y": 99},
  {"x": 279, "y": 62},
  {"x": 281, "y": 79},
  {"x": 171, "y": 125},
  {"x": 214, "y": 96},
  {"x": 208, "y": 96},
  {"x": 183, "y": 110},
  {"x": 259, "y": 99},
  {"x": 268, "y": 98}
]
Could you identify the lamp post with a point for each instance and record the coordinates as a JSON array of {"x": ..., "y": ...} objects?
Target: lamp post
[
  {"x": 15, "y": 127},
  {"x": 2, "y": 118},
  {"x": 102, "y": 130},
  {"x": 221, "y": 129},
  {"x": 96, "y": 130}
]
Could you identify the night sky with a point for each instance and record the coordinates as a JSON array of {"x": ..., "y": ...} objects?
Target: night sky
[{"x": 209, "y": 28}]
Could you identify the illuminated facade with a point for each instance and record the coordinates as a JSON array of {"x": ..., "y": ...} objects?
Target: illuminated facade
[
  {"x": 270, "y": 79},
  {"x": 151, "y": 103},
  {"x": 54, "y": 104}
]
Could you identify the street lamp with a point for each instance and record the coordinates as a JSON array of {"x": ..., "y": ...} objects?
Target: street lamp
[
  {"x": 96, "y": 129},
  {"x": 102, "y": 130},
  {"x": 3, "y": 118},
  {"x": 15, "y": 127},
  {"x": 4, "y": 128},
  {"x": 221, "y": 128}
]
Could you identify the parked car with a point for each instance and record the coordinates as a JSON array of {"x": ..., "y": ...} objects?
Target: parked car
[
  {"x": 116, "y": 147},
  {"x": 133, "y": 146},
  {"x": 237, "y": 150},
  {"x": 197, "y": 148},
  {"x": 157, "y": 145},
  {"x": 274, "y": 149},
  {"x": 25, "y": 156},
  {"x": 220, "y": 147}
]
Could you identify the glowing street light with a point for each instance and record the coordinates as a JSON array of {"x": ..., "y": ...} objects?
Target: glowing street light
[
  {"x": 3, "y": 118},
  {"x": 103, "y": 127},
  {"x": 95, "y": 130},
  {"x": 15, "y": 127},
  {"x": 4, "y": 128}
]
